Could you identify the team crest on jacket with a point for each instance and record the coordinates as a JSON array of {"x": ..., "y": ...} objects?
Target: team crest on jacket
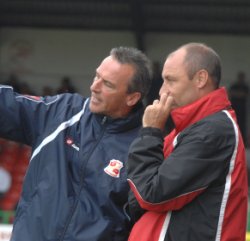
[{"x": 114, "y": 167}]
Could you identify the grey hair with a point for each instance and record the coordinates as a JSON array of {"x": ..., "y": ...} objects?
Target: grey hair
[{"x": 142, "y": 79}]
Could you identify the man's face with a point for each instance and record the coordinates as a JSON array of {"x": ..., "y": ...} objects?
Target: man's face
[
  {"x": 109, "y": 88},
  {"x": 176, "y": 81}
]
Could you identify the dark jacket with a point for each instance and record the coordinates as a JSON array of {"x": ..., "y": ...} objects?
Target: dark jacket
[
  {"x": 194, "y": 186},
  {"x": 76, "y": 186}
]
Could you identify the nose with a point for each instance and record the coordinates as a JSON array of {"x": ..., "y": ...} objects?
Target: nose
[
  {"x": 96, "y": 85},
  {"x": 163, "y": 89}
]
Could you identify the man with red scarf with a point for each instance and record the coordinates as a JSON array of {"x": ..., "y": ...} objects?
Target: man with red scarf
[{"x": 192, "y": 184}]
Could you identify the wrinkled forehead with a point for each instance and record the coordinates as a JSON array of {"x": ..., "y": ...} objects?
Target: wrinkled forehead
[{"x": 114, "y": 71}]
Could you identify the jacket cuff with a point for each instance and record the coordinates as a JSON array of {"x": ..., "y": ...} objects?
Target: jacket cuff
[{"x": 151, "y": 131}]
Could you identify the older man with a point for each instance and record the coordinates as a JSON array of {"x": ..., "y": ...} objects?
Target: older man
[
  {"x": 193, "y": 185},
  {"x": 76, "y": 186}
]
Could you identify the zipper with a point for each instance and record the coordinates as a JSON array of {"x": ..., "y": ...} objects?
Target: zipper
[
  {"x": 104, "y": 119},
  {"x": 73, "y": 209}
]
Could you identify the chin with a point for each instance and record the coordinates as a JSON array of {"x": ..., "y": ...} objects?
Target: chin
[
  {"x": 95, "y": 110},
  {"x": 92, "y": 108}
]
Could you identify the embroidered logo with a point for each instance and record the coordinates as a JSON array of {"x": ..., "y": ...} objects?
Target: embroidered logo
[
  {"x": 114, "y": 167},
  {"x": 70, "y": 142}
]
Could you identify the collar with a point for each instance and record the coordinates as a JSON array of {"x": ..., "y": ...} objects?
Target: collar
[
  {"x": 207, "y": 105},
  {"x": 133, "y": 120}
]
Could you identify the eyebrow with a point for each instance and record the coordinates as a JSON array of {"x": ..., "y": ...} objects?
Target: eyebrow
[{"x": 166, "y": 76}]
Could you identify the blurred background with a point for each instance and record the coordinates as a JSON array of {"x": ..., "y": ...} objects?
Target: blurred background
[{"x": 54, "y": 46}]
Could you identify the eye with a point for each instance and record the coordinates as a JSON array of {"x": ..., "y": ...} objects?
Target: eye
[
  {"x": 108, "y": 84},
  {"x": 169, "y": 79}
]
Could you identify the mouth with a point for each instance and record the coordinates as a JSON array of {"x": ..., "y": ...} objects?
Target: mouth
[{"x": 95, "y": 100}]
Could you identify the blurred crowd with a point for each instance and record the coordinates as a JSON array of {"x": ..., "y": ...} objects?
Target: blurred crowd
[{"x": 22, "y": 87}]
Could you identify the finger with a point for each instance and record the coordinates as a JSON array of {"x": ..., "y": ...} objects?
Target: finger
[
  {"x": 156, "y": 102},
  {"x": 169, "y": 104},
  {"x": 170, "y": 100},
  {"x": 163, "y": 98}
]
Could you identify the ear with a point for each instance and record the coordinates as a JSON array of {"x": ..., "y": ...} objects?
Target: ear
[
  {"x": 202, "y": 79},
  {"x": 133, "y": 98}
]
